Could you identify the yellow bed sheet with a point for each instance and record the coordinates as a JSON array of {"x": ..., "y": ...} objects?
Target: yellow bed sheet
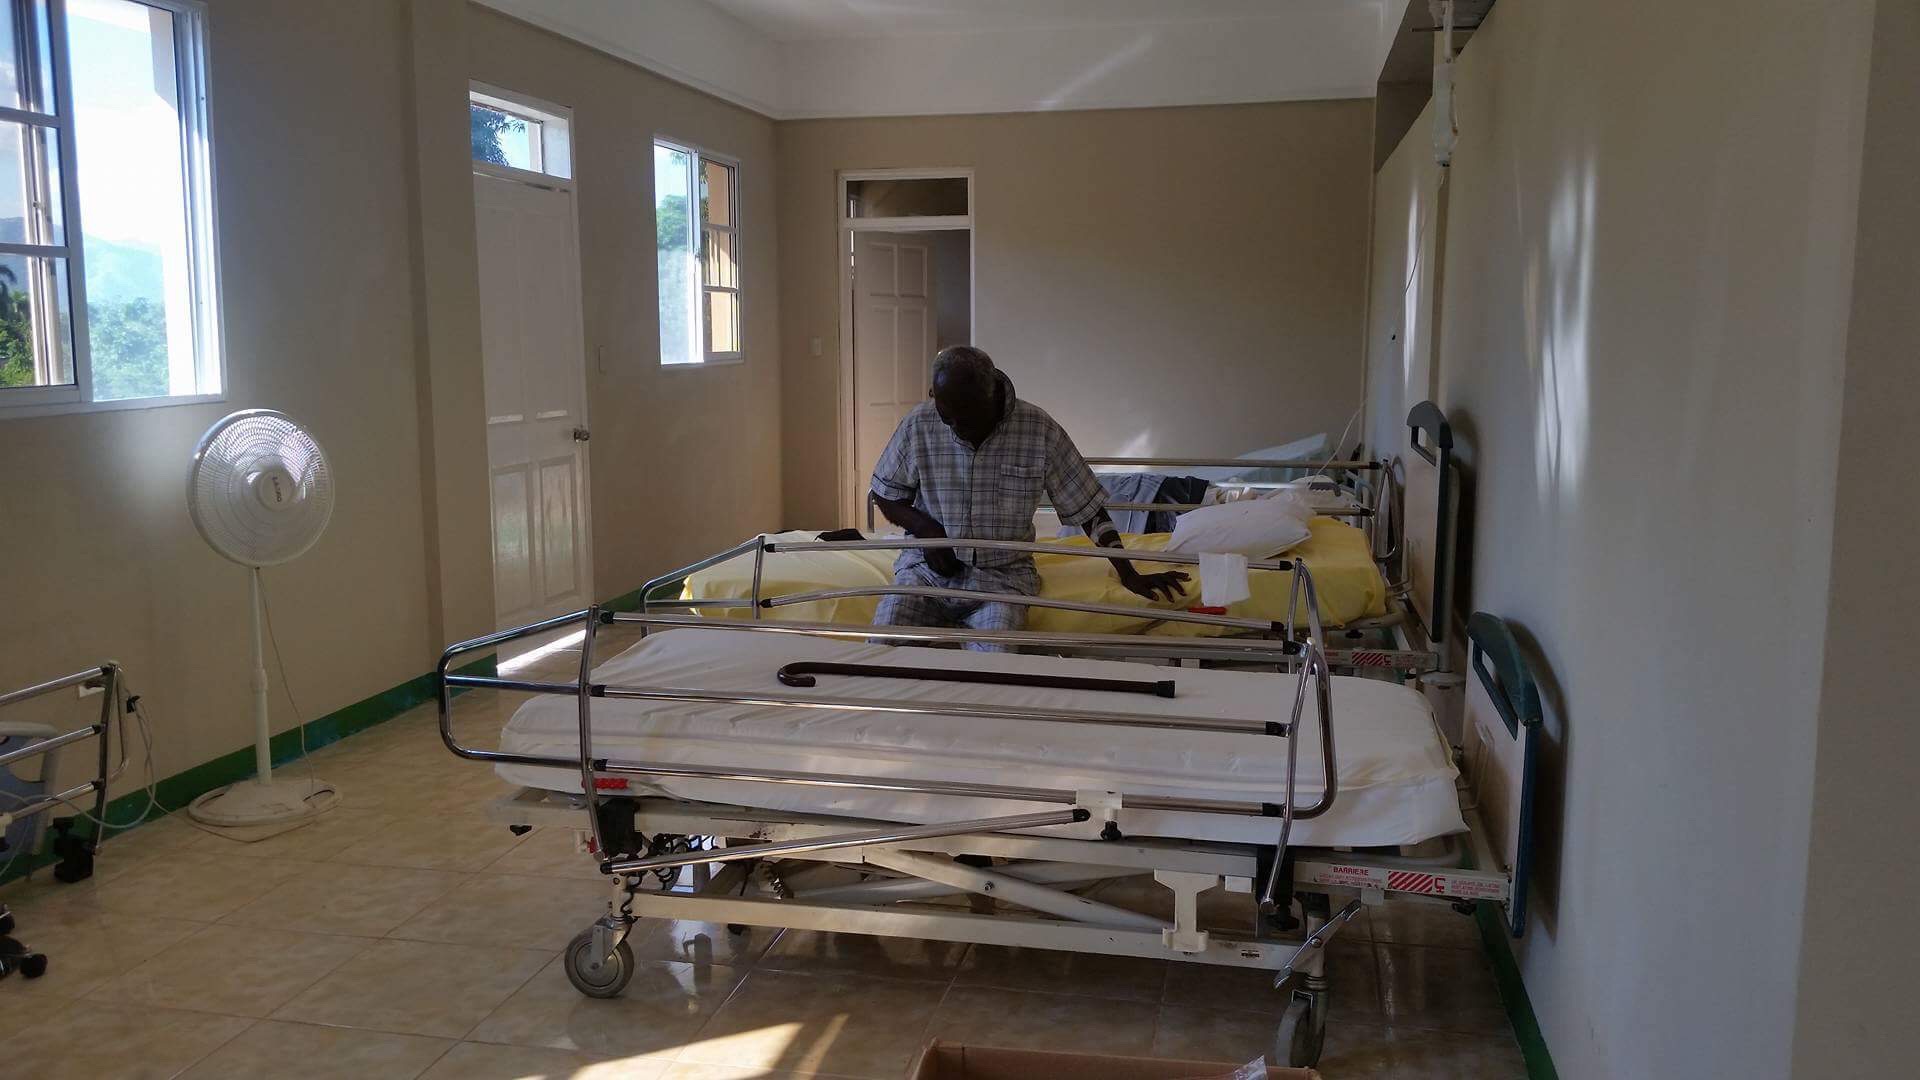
[{"x": 1337, "y": 555}]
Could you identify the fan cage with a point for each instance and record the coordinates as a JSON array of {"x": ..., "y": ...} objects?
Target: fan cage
[{"x": 224, "y": 508}]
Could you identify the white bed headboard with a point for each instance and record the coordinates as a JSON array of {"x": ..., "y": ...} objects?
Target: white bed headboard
[
  {"x": 1503, "y": 723},
  {"x": 1430, "y": 516}
]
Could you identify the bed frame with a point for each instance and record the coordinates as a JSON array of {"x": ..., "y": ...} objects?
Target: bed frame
[
  {"x": 76, "y": 852},
  {"x": 670, "y": 858}
]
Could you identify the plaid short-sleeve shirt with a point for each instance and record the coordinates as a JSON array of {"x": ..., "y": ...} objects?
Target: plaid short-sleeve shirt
[{"x": 991, "y": 493}]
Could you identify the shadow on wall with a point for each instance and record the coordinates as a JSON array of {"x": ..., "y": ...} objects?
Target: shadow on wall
[
  {"x": 1550, "y": 786},
  {"x": 1466, "y": 448}
]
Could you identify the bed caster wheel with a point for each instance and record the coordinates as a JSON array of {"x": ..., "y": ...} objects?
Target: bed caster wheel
[
  {"x": 519, "y": 830},
  {"x": 1303, "y": 1031},
  {"x": 736, "y": 929},
  {"x": 17, "y": 957},
  {"x": 594, "y": 975}
]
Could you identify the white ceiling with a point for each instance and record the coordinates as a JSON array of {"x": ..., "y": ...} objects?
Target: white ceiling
[
  {"x": 796, "y": 20},
  {"x": 815, "y": 58}
]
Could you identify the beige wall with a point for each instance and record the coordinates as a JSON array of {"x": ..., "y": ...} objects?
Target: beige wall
[
  {"x": 1646, "y": 258},
  {"x": 1402, "y": 296},
  {"x": 1185, "y": 281},
  {"x": 684, "y": 461},
  {"x": 312, "y": 162},
  {"x": 1860, "y": 937},
  {"x": 350, "y": 301}
]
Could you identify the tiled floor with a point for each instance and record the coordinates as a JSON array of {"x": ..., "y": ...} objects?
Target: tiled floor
[{"x": 405, "y": 936}]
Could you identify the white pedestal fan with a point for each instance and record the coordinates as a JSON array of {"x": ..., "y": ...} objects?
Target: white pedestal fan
[{"x": 260, "y": 492}]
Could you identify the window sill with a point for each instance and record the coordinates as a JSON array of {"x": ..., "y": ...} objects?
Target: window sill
[
  {"x": 11, "y": 412},
  {"x": 734, "y": 360}
]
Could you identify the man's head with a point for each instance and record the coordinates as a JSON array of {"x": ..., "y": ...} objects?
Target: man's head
[{"x": 966, "y": 392}]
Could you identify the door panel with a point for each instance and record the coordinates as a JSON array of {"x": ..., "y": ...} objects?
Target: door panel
[
  {"x": 512, "y": 546},
  {"x": 558, "y": 532},
  {"x": 533, "y": 358},
  {"x": 893, "y": 336}
]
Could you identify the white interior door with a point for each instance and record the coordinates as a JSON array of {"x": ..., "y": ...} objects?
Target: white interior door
[
  {"x": 893, "y": 339},
  {"x": 534, "y": 359}
]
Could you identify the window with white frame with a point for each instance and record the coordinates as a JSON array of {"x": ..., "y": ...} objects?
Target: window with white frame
[
  {"x": 108, "y": 286},
  {"x": 697, "y": 224},
  {"x": 514, "y": 133}
]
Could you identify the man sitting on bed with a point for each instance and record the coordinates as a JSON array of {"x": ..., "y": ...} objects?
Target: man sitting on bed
[{"x": 972, "y": 463}]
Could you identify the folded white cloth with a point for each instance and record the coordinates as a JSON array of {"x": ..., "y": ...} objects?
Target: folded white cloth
[
  {"x": 1223, "y": 578},
  {"x": 1256, "y": 528}
]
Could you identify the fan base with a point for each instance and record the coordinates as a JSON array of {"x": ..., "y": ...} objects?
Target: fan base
[{"x": 251, "y": 802}]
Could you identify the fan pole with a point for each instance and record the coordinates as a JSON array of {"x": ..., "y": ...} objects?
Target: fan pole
[{"x": 262, "y": 729}]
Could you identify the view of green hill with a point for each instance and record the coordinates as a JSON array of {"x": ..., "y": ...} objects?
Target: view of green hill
[{"x": 117, "y": 273}]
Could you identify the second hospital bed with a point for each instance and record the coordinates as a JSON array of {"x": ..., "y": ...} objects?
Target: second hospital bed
[{"x": 1351, "y": 586}]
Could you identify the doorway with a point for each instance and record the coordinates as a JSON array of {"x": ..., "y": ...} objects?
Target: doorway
[
  {"x": 534, "y": 362},
  {"x": 907, "y": 293}
]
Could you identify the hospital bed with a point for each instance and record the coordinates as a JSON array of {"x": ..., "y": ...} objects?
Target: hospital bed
[{"x": 784, "y": 774}]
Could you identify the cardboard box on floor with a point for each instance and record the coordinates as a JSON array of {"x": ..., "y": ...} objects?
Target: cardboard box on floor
[{"x": 952, "y": 1061}]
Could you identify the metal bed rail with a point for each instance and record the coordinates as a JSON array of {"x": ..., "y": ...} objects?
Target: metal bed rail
[
  {"x": 761, "y": 546},
  {"x": 107, "y": 677},
  {"x": 1348, "y": 509},
  {"x": 1314, "y": 671},
  {"x": 1340, "y": 465}
]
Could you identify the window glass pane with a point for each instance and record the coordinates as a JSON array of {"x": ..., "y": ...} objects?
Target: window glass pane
[
  {"x": 30, "y": 185},
  {"x": 720, "y": 267},
  {"x": 36, "y": 326},
  {"x": 26, "y": 75},
  {"x": 504, "y": 139},
  {"x": 716, "y": 193},
  {"x": 679, "y": 275},
  {"x": 723, "y": 322},
  {"x": 133, "y": 199},
  {"x": 941, "y": 197}
]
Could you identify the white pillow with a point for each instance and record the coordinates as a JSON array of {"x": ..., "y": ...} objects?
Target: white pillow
[{"x": 1256, "y": 528}]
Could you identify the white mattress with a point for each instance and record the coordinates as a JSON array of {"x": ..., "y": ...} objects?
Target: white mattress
[{"x": 1396, "y": 775}]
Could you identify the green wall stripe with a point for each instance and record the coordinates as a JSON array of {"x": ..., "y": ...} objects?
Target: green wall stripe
[
  {"x": 182, "y": 788},
  {"x": 1513, "y": 992}
]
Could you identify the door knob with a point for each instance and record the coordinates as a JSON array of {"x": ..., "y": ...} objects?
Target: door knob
[{"x": 581, "y": 434}]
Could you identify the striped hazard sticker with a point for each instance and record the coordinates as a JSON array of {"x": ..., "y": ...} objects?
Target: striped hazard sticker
[
  {"x": 1361, "y": 658},
  {"x": 1415, "y": 882},
  {"x": 1466, "y": 883}
]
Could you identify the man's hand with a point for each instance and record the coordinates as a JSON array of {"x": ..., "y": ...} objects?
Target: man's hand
[
  {"x": 1172, "y": 582},
  {"x": 944, "y": 562},
  {"x": 922, "y": 525}
]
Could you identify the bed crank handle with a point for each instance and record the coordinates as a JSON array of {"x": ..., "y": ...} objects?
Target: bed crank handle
[{"x": 1317, "y": 940}]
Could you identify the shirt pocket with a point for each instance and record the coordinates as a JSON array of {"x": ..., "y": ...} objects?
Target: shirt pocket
[{"x": 1022, "y": 481}]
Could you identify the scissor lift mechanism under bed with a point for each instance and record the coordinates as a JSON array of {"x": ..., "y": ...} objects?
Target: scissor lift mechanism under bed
[{"x": 756, "y": 867}]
